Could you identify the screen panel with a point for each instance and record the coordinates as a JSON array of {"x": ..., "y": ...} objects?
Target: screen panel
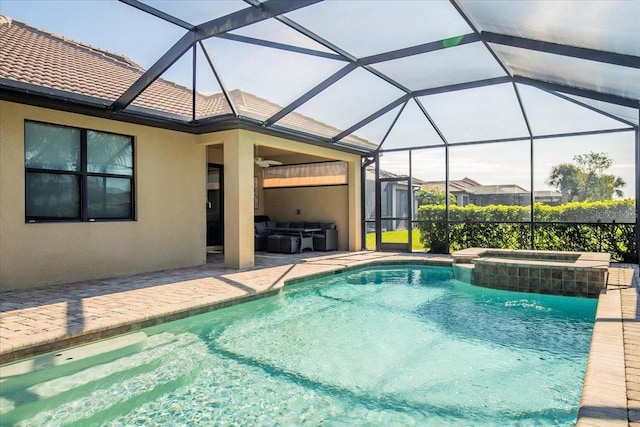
[
  {"x": 345, "y": 103},
  {"x": 484, "y": 113},
  {"x": 458, "y": 64},
  {"x": 610, "y": 25},
  {"x": 356, "y": 25},
  {"x": 574, "y": 72},
  {"x": 549, "y": 114}
]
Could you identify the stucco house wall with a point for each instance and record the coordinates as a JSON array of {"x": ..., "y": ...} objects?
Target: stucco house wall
[
  {"x": 169, "y": 229},
  {"x": 168, "y": 232}
]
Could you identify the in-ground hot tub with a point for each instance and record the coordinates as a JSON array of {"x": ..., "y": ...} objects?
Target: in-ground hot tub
[{"x": 547, "y": 272}]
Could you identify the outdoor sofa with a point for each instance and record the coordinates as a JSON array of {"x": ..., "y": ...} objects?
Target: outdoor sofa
[{"x": 266, "y": 240}]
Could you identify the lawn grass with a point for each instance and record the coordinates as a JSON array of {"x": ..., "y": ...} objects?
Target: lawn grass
[{"x": 398, "y": 236}]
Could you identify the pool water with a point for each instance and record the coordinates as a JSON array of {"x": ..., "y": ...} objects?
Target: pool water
[{"x": 386, "y": 346}]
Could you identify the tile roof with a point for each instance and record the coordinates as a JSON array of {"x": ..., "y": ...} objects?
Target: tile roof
[
  {"x": 466, "y": 185},
  {"x": 499, "y": 189},
  {"x": 469, "y": 186},
  {"x": 385, "y": 174},
  {"x": 33, "y": 56}
]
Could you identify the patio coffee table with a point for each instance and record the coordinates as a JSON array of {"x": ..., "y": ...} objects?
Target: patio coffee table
[{"x": 306, "y": 235}]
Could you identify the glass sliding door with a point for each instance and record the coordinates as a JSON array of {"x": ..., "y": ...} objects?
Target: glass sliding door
[
  {"x": 395, "y": 218},
  {"x": 395, "y": 195}
]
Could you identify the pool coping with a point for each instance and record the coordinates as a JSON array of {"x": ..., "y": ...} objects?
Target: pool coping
[
  {"x": 611, "y": 387},
  {"x": 591, "y": 260},
  {"x": 604, "y": 389}
]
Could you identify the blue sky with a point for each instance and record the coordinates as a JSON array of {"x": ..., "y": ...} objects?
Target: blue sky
[{"x": 281, "y": 78}]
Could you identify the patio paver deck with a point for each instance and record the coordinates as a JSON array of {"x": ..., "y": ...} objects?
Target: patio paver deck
[
  {"x": 611, "y": 391},
  {"x": 46, "y": 319}
]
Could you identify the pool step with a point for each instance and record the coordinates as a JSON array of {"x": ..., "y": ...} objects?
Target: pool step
[
  {"x": 54, "y": 365},
  {"x": 157, "y": 368}
]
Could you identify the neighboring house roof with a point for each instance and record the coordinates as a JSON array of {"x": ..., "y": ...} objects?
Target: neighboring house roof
[
  {"x": 470, "y": 186},
  {"x": 465, "y": 185},
  {"x": 384, "y": 174},
  {"x": 36, "y": 57},
  {"x": 499, "y": 189},
  {"x": 547, "y": 193}
]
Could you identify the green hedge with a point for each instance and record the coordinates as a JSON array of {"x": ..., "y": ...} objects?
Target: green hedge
[{"x": 611, "y": 228}]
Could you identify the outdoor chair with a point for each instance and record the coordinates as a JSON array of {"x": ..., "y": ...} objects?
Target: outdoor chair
[
  {"x": 261, "y": 232},
  {"x": 327, "y": 239}
]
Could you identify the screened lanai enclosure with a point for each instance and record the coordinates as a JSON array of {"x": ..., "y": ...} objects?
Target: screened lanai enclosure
[{"x": 509, "y": 124}]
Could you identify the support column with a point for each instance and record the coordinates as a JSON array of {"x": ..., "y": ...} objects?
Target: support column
[
  {"x": 378, "y": 198},
  {"x": 238, "y": 202},
  {"x": 356, "y": 195},
  {"x": 637, "y": 176}
]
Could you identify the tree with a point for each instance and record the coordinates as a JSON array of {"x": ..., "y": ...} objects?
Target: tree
[
  {"x": 433, "y": 196},
  {"x": 604, "y": 187},
  {"x": 565, "y": 178},
  {"x": 584, "y": 179}
]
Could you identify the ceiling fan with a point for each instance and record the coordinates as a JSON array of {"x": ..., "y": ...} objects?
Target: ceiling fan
[{"x": 265, "y": 163}]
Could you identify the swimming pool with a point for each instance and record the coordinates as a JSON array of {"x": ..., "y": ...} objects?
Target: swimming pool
[{"x": 396, "y": 345}]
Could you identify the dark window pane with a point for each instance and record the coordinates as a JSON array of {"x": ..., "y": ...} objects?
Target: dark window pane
[
  {"x": 109, "y": 153},
  {"x": 51, "y": 147},
  {"x": 52, "y": 196},
  {"x": 109, "y": 197}
]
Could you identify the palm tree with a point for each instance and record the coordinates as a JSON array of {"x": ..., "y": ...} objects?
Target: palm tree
[
  {"x": 566, "y": 178},
  {"x": 584, "y": 179}
]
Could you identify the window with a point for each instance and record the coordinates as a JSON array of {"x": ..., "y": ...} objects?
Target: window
[
  {"x": 76, "y": 174},
  {"x": 305, "y": 175}
]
